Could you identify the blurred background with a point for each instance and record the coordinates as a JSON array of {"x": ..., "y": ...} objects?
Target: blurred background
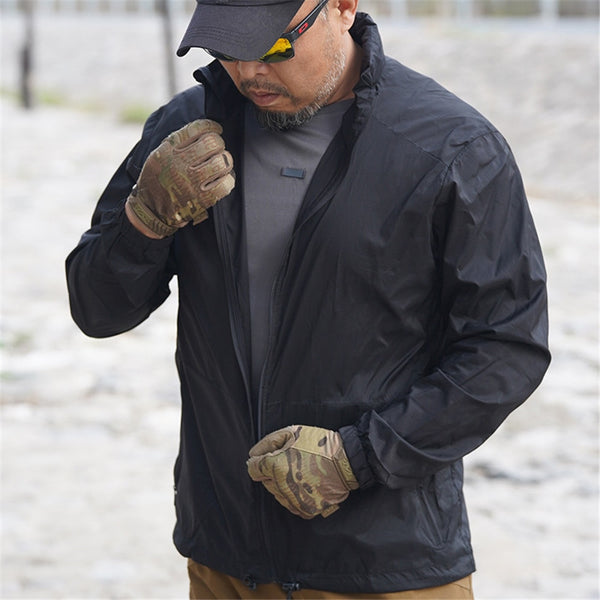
[{"x": 89, "y": 428}]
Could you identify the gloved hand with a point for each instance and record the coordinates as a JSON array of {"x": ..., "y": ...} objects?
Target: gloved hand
[
  {"x": 188, "y": 172},
  {"x": 305, "y": 468}
]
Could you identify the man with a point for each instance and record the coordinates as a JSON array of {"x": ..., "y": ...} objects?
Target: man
[{"x": 361, "y": 303}]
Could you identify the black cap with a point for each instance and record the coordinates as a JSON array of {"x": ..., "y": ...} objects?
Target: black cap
[{"x": 242, "y": 29}]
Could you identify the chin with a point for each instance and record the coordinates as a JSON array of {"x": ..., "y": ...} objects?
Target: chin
[{"x": 282, "y": 121}]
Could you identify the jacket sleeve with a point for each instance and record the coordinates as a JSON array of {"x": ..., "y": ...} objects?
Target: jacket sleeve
[
  {"x": 116, "y": 276},
  {"x": 494, "y": 349}
]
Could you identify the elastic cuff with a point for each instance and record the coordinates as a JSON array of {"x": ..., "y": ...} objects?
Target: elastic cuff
[{"x": 119, "y": 232}]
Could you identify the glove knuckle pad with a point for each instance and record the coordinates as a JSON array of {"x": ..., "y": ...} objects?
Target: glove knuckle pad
[
  {"x": 202, "y": 126},
  {"x": 210, "y": 169}
]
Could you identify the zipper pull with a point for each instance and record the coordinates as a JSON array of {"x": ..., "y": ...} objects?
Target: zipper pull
[
  {"x": 250, "y": 582},
  {"x": 289, "y": 588}
]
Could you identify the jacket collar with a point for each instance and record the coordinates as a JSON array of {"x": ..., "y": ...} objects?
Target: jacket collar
[{"x": 365, "y": 34}]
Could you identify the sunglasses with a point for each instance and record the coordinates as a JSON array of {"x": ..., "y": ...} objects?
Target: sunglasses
[{"x": 283, "y": 48}]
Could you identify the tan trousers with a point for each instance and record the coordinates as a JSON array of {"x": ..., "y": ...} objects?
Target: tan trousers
[{"x": 207, "y": 584}]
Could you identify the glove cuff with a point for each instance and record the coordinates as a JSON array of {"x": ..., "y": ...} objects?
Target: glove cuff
[
  {"x": 345, "y": 470},
  {"x": 147, "y": 217}
]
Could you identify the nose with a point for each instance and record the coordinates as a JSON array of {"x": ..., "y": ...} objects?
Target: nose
[{"x": 248, "y": 69}]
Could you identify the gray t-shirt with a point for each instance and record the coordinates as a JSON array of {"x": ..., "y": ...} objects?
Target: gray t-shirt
[{"x": 278, "y": 167}]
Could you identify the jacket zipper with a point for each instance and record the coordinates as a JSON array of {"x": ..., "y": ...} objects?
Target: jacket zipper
[
  {"x": 236, "y": 328},
  {"x": 275, "y": 290},
  {"x": 234, "y": 318},
  {"x": 259, "y": 418}
]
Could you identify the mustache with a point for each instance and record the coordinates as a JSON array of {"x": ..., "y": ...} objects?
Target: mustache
[{"x": 256, "y": 85}]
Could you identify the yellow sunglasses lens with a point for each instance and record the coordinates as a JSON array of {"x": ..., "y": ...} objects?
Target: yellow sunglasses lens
[{"x": 281, "y": 50}]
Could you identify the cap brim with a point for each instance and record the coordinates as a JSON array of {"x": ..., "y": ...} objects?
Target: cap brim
[{"x": 241, "y": 29}]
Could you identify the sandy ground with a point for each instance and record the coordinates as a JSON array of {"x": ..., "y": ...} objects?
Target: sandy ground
[{"x": 89, "y": 427}]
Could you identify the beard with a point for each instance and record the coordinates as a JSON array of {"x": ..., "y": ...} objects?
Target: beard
[{"x": 282, "y": 121}]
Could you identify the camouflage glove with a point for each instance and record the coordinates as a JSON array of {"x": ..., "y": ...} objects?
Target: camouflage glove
[
  {"x": 189, "y": 172},
  {"x": 305, "y": 468}
]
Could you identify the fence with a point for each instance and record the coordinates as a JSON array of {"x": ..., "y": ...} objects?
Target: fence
[{"x": 545, "y": 9}]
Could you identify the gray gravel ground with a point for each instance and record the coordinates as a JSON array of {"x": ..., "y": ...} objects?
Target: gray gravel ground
[{"x": 89, "y": 427}]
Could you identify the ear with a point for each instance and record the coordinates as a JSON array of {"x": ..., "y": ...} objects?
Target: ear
[{"x": 347, "y": 10}]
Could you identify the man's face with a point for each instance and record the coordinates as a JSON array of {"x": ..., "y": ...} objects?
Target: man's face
[{"x": 291, "y": 92}]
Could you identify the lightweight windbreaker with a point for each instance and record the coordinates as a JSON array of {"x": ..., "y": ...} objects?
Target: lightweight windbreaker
[{"x": 409, "y": 313}]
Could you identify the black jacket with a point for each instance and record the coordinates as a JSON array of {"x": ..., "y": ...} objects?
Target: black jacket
[{"x": 409, "y": 313}]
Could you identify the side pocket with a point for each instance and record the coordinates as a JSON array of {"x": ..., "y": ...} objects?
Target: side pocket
[
  {"x": 438, "y": 501},
  {"x": 176, "y": 472},
  {"x": 430, "y": 527}
]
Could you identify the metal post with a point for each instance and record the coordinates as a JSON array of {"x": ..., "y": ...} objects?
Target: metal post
[
  {"x": 164, "y": 8},
  {"x": 26, "y": 56}
]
